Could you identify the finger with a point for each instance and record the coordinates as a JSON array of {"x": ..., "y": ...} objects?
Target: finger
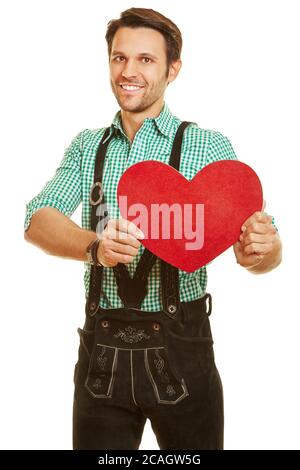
[
  {"x": 121, "y": 248},
  {"x": 252, "y": 260},
  {"x": 257, "y": 228},
  {"x": 244, "y": 260},
  {"x": 262, "y": 236},
  {"x": 264, "y": 205},
  {"x": 122, "y": 237},
  {"x": 128, "y": 227},
  {"x": 119, "y": 258},
  {"x": 257, "y": 217},
  {"x": 258, "y": 248}
]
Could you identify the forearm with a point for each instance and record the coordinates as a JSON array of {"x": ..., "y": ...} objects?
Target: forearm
[
  {"x": 271, "y": 260},
  {"x": 58, "y": 235}
]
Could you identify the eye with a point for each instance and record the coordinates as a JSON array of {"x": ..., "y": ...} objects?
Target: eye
[
  {"x": 118, "y": 57},
  {"x": 147, "y": 59}
]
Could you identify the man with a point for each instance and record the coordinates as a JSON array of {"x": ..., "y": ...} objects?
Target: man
[{"x": 146, "y": 346}]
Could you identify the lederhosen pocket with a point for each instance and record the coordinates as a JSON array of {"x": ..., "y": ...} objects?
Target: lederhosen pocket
[
  {"x": 86, "y": 344},
  {"x": 102, "y": 366},
  {"x": 190, "y": 344},
  {"x": 168, "y": 385},
  {"x": 101, "y": 374}
]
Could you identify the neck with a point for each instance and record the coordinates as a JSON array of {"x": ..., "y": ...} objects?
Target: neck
[{"x": 131, "y": 121}]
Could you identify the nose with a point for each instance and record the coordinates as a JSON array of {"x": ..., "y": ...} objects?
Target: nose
[{"x": 130, "y": 69}]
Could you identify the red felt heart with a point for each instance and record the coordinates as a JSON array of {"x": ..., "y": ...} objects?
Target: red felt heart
[{"x": 208, "y": 213}]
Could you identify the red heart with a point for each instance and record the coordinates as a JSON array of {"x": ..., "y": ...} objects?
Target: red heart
[{"x": 225, "y": 192}]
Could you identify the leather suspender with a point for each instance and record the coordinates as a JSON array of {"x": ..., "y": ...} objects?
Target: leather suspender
[
  {"x": 132, "y": 291},
  {"x": 169, "y": 274},
  {"x": 97, "y": 202}
]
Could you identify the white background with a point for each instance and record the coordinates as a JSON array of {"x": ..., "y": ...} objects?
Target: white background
[{"x": 240, "y": 76}]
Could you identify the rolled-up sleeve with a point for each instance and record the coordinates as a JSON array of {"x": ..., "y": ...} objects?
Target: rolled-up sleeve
[{"x": 64, "y": 190}]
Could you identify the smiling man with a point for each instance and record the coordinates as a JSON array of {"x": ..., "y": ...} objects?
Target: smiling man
[{"x": 146, "y": 348}]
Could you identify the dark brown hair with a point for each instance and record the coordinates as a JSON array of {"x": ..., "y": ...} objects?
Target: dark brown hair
[{"x": 147, "y": 18}]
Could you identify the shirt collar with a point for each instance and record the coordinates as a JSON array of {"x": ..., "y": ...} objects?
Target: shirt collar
[{"x": 164, "y": 122}]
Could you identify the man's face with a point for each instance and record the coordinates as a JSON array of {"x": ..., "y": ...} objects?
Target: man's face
[{"x": 138, "y": 58}]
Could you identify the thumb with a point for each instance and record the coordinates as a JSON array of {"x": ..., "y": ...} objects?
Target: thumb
[{"x": 264, "y": 205}]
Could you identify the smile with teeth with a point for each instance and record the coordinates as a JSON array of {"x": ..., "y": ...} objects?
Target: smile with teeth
[{"x": 131, "y": 88}]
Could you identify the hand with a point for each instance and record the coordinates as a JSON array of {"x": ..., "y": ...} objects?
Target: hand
[
  {"x": 119, "y": 242},
  {"x": 256, "y": 241}
]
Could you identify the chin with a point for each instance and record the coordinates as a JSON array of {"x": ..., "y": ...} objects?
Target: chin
[{"x": 131, "y": 107}]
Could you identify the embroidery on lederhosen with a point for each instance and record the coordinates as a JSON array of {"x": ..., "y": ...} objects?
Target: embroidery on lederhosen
[
  {"x": 131, "y": 335},
  {"x": 168, "y": 387},
  {"x": 170, "y": 390},
  {"x": 97, "y": 384},
  {"x": 159, "y": 364},
  {"x": 101, "y": 359},
  {"x": 101, "y": 375}
]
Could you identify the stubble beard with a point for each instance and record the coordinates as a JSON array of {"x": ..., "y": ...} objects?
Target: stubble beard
[{"x": 144, "y": 102}]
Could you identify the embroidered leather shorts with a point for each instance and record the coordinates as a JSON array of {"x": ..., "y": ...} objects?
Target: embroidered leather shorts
[{"x": 133, "y": 365}]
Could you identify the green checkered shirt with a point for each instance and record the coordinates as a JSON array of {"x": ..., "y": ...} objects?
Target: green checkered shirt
[{"x": 73, "y": 179}]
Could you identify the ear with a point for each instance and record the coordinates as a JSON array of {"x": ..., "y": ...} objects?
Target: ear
[{"x": 174, "y": 70}]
